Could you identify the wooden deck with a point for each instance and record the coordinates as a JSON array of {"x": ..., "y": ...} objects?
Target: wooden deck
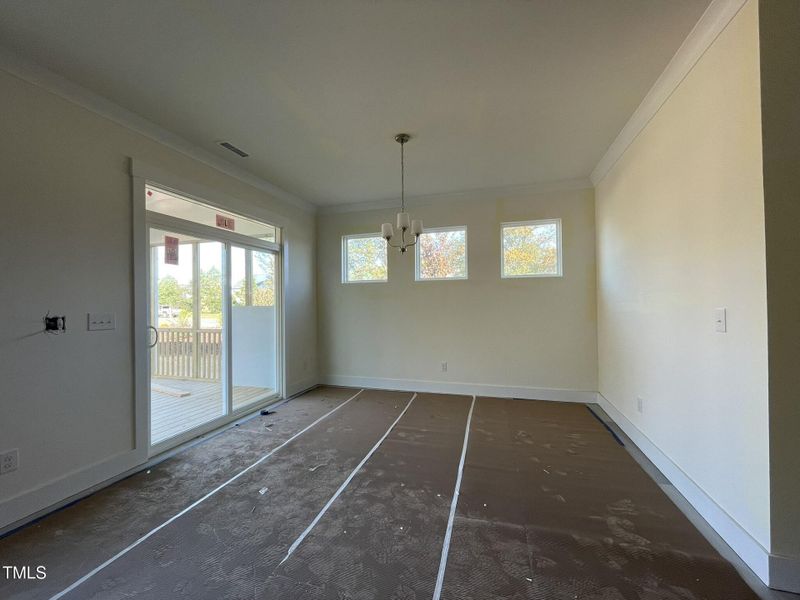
[{"x": 178, "y": 405}]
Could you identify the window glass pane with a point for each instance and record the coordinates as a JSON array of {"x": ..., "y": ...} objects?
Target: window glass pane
[
  {"x": 210, "y": 256},
  {"x": 365, "y": 258},
  {"x": 531, "y": 249},
  {"x": 263, "y": 279},
  {"x": 254, "y": 331},
  {"x": 238, "y": 276},
  {"x": 186, "y": 359},
  {"x": 442, "y": 254},
  {"x": 167, "y": 203},
  {"x": 174, "y": 292}
]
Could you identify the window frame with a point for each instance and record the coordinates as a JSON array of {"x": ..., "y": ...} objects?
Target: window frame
[
  {"x": 356, "y": 236},
  {"x": 559, "y": 245},
  {"x": 463, "y": 228}
]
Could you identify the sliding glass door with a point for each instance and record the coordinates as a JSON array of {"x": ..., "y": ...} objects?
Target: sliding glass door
[
  {"x": 214, "y": 328},
  {"x": 253, "y": 325}
]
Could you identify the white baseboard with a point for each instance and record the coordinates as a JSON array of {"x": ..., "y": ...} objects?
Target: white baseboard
[
  {"x": 451, "y": 387},
  {"x": 31, "y": 504},
  {"x": 298, "y": 387},
  {"x": 741, "y": 542},
  {"x": 784, "y": 573}
]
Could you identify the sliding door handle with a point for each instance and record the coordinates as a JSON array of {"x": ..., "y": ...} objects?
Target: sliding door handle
[{"x": 153, "y": 345}]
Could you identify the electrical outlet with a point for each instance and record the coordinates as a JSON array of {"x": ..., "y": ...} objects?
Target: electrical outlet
[
  {"x": 444, "y": 367},
  {"x": 101, "y": 321},
  {"x": 54, "y": 324},
  {"x": 640, "y": 404},
  {"x": 9, "y": 461}
]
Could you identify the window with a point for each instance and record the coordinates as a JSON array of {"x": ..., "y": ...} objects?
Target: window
[
  {"x": 364, "y": 258},
  {"x": 442, "y": 254},
  {"x": 531, "y": 249}
]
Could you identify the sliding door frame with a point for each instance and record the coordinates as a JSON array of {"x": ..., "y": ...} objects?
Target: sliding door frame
[{"x": 143, "y": 221}]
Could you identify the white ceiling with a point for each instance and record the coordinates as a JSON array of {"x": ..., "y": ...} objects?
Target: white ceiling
[{"x": 496, "y": 93}]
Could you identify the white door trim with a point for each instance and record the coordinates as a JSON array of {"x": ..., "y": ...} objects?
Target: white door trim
[
  {"x": 141, "y": 360},
  {"x": 142, "y": 221}
]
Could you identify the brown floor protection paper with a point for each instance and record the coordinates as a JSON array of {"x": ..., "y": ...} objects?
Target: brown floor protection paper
[
  {"x": 383, "y": 536},
  {"x": 552, "y": 507},
  {"x": 236, "y": 538},
  {"x": 72, "y": 541}
]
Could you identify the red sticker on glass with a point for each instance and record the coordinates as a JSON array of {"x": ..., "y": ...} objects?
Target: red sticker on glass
[
  {"x": 225, "y": 222},
  {"x": 171, "y": 246}
]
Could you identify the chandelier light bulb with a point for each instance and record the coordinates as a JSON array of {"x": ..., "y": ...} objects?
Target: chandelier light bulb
[{"x": 403, "y": 221}]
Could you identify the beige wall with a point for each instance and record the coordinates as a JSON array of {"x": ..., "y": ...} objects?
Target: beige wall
[
  {"x": 680, "y": 231},
  {"x": 780, "y": 91},
  {"x": 65, "y": 247},
  {"x": 522, "y": 333}
]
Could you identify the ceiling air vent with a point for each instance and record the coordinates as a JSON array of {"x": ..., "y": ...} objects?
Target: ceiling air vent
[{"x": 234, "y": 149}]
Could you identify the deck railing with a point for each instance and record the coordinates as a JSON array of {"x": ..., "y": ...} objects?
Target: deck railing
[{"x": 188, "y": 354}]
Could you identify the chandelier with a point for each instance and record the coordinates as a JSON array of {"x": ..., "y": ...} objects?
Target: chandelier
[{"x": 404, "y": 222}]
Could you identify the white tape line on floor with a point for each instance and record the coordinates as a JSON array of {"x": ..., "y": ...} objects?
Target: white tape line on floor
[
  {"x": 344, "y": 485},
  {"x": 437, "y": 592},
  {"x": 194, "y": 504}
]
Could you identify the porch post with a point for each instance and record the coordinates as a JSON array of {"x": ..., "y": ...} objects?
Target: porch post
[{"x": 195, "y": 310}]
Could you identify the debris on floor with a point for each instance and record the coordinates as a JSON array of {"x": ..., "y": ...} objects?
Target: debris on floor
[
  {"x": 314, "y": 468},
  {"x": 263, "y": 491},
  {"x": 266, "y": 412}
]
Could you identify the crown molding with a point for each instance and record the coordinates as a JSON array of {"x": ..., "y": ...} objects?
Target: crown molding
[
  {"x": 463, "y": 196},
  {"x": 714, "y": 20},
  {"x": 35, "y": 74}
]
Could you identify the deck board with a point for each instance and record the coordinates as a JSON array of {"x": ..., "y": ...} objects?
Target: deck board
[{"x": 172, "y": 415}]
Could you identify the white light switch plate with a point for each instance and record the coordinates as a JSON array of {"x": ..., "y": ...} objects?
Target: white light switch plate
[
  {"x": 721, "y": 320},
  {"x": 101, "y": 321}
]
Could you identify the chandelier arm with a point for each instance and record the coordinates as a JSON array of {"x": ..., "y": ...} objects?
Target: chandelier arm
[{"x": 403, "y": 244}]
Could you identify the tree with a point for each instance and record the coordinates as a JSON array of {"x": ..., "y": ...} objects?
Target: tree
[
  {"x": 239, "y": 293},
  {"x": 442, "y": 254},
  {"x": 263, "y": 284},
  {"x": 211, "y": 292},
  {"x": 530, "y": 249},
  {"x": 179, "y": 298},
  {"x": 366, "y": 259},
  {"x": 170, "y": 292}
]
